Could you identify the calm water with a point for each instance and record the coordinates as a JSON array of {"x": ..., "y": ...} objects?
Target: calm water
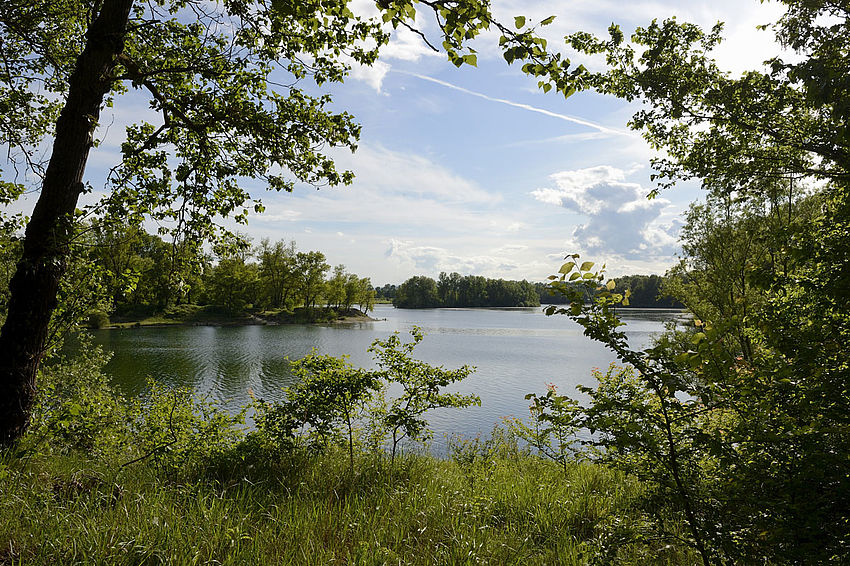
[{"x": 515, "y": 351}]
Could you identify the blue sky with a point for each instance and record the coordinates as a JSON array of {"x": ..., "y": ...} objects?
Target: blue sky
[{"x": 474, "y": 170}]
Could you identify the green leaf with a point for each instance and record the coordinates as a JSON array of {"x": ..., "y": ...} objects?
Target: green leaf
[
  {"x": 519, "y": 21},
  {"x": 587, "y": 265},
  {"x": 547, "y": 21}
]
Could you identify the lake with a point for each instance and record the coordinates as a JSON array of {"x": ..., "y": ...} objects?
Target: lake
[{"x": 516, "y": 351}]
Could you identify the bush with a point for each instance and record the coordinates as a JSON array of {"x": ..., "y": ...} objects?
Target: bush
[
  {"x": 181, "y": 433},
  {"x": 97, "y": 319},
  {"x": 76, "y": 409}
]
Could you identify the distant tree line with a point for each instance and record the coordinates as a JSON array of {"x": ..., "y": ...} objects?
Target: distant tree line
[
  {"x": 647, "y": 291},
  {"x": 129, "y": 272},
  {"x": 455, "y": 290}
]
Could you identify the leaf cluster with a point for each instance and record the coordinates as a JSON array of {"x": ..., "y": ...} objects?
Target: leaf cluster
[{"x": 334, "y": 400}]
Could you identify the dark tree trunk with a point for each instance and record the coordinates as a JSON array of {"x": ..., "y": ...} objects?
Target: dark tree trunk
[{"x": 34, "y": 286}]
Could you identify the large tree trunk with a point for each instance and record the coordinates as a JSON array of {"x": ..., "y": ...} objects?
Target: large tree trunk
[{"x": 34, "y": 286}]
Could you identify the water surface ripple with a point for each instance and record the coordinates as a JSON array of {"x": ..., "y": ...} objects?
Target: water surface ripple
[{"x": 515, "y": 351}]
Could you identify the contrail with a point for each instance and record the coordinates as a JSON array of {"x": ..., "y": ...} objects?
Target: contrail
[{"x": 530, "y": 108}]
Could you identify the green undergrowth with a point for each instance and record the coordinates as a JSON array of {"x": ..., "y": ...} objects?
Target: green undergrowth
[
  {"x": 512, "y": 508},
  {"x": 173, "y": 479}
]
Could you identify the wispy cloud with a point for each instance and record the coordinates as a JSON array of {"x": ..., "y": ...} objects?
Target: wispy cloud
[
  {"x": 567, "y": 138},
  {"x": 565, "y": 117}
]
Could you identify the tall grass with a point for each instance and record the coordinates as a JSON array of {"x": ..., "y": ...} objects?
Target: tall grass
[
  {"x": 512, "y": 508},
  {"x": 171, "y": 479}
]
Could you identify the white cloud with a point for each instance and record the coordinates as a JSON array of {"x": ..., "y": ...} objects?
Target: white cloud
[
  {"x": 279, "y": 213},
  {"x": 404, "y": 45},
  {"x": 373, "y": 75},
  {"x": 619, "y": 218},
  {"x": 407, "y": 46},
  {"x": 431, "y": 260},
  {"x": 395, "y": 193}
]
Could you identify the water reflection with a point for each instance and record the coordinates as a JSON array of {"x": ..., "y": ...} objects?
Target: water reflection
[{"x": 515, "y": 351}]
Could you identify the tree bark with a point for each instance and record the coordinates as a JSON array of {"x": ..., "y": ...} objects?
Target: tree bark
[{"x": 33, "y": 288}]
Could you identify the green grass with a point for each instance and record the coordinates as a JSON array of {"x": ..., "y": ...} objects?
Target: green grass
[{"x": 511, "y": 509}]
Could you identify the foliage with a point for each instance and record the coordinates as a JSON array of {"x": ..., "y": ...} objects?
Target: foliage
[
  {"x": 421, "y": 388},
  {"x": 76, "y": 509},
  {"x": 417, "y": 292},
  {"x": 98, "y": 319},
  {"x": 330, "y": 394},
  {"x": 386, "y": 292},
  {"x": 645, "y": 291},
  {"x": 736, "y": 422},
  {"x": 187, "y": 484},
  {"x": 671, "y": 459},
  {"x": 9, "y": 253},
  {"x": 232, "y": 284},
  {"x": 76, "y": 407},
  {"x": 737, "y": 135},
  {"x": 455, "y": 290},
  {"x": 551, "y": 427},
  {"x": 311, "y": 272},
  {"x": 181, "y": 433},
  {"x": 333, "y": 400},
  {"x": 749, "y": 407},
  {"x": 278, "y": 275},
  {"x": 146, "y": 276},
  {"x": 343, "y": 290},
  {"x": 142, "y": 269}
]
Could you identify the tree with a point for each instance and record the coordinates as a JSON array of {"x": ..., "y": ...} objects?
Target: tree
[
  {"x": 335, "y": 287},
  {"x": 206, "y": 70},
  {"x": 737, "y": 135},
  {"x": 741, "y": 422},
  {"x": 311, "y": 273},
  {"x": 421, "y": 388},
  {"x": 232, "y": 283},
  {"x": 365, "y": 297},
  {"x": 417, "y": 292},
  {"x": 330, "y": 393},
  {"x": 386, "y": 292},
  {"x": 224, "y": 79}
]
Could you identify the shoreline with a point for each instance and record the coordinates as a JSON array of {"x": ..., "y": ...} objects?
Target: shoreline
[{"x": 352, "y": 316}]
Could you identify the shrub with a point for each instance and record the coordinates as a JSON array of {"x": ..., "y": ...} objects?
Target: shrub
[
  {"x": 421, "y": 386},
  {"x": 76, "y": 409},
  {"x": 552, "y": 426},
  {"x": 181, "y": 433},
  {"x": 97, "y": 319}
]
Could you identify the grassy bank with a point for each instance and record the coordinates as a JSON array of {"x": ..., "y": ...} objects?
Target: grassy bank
[
  {"x": 499, "y": 508},
  {"x": 211, "y": 315},
  {"x": 171, "y": 478}
]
